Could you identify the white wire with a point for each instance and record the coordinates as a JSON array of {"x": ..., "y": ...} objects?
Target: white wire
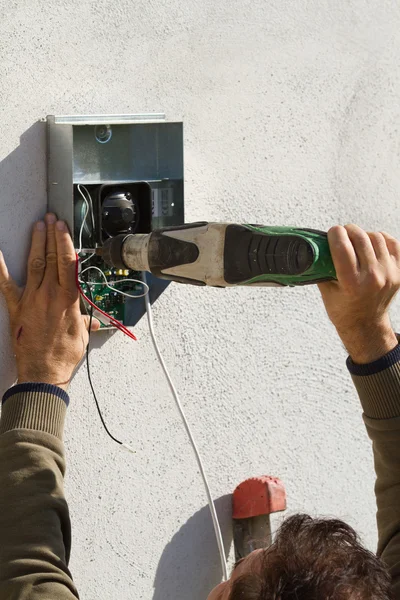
[
  {"x": 114, "y": 289},
  {"x": 90, "y": 256},
  {"x": 89, "y": 206},
  {"x": 84, "y": 218},
  {"x": 211, "y": 504},
  {"x": 129, "y": 448}
]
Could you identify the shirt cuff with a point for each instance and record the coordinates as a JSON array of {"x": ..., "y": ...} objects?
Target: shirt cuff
[
  {"x": 38, "y": 406},
  {"x": 390, "y": 359},
  {"x": 378, "y": 385}
]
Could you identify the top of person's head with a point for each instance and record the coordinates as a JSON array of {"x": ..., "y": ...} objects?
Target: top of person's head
[{"x": 315, "y": 559}]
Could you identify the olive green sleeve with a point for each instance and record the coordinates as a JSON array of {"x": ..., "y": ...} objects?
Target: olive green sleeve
[
  {"x": 378, "y": 386},
  {"x": 35, "y": 529}
]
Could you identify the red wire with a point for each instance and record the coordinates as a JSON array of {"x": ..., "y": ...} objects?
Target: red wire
[{"x": 113, "y": 321}]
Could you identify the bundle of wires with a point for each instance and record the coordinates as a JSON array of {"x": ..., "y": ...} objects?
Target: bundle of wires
[{"x": 109, "y": 319}]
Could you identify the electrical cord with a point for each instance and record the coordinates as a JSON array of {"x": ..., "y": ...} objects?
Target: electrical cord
[
  {"x": 171, "y": 385},
  {"x": 211, "y": 504},
  {"x": 92, "y": 388},
  {"x": 89, "y": 206},
  {"x": 110, "y": 319},
  {"x": 110, "y": 284},
  {"x": 84, "y": 218}
]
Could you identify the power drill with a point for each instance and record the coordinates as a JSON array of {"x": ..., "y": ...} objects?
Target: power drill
[{"x": 226, "y": 254}]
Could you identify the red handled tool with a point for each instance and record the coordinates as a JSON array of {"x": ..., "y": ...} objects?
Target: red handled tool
[{"x": 254, "y": 500}]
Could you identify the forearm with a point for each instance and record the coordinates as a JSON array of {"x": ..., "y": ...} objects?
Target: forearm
[
  {"x": 35, "y": 528},
  {"x": 369, "y": 341},
  {"x": 385, "y": 434},
  {"x": 378, "y": 386}
]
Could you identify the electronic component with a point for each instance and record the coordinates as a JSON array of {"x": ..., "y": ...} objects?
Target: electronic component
[
  {"x": 119, "y": 213},
  {"x": 113, "y": 175}
]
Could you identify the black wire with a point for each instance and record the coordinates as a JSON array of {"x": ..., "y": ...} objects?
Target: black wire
[{"x": 88, "y": 370}]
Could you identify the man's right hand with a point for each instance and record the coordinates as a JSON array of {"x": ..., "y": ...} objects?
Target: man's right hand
[
  {"x": 48, "y": 331},
  {"x": 368, "y": 277}
]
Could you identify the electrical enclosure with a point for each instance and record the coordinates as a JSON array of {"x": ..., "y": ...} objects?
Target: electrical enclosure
[{"x": 130, "y": 170}]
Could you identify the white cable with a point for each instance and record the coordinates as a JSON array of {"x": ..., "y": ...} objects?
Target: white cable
[
  {"x": 84, "y": 218},
  {"x": 114, "y": 289},
  {"x": 89, "y": 257},
  {"x": 89, "y": 206},
  {"x": 211, "y": 504},
  {"x": 129, "y": 448}
]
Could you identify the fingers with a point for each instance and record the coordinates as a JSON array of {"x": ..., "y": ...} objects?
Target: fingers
[
  {"x": 393, "y": 246},
  {"x": 343, "y": 254},
  {"x": 37, "y": 257},
  {"x": 51, "y": 271},
  {"x": 362, "y": 245},
  {"x": 379, "y": 245},
  {"x": 387, "y": 236},
  {"x": 66, "y": 258},
  {"x": 95, "y": 323},
  {"x": 8, "y": 287}
]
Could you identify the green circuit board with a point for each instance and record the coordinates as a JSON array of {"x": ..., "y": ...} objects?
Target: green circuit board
[{"x": 107, "y": 300}]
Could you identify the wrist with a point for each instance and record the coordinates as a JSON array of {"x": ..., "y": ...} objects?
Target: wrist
[
  {"x": 63, "y": 386},
  {"x": 33, "y": 376},
  {"x": 368, "y": 343}
]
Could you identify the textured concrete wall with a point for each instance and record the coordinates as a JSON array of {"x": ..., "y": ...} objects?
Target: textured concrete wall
[{"x": 292, "y": 116}]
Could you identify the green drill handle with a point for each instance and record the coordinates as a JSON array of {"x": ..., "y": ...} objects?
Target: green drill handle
[
  {"x": 226, "y": 254},
  {"x": 283, "y": 255}
]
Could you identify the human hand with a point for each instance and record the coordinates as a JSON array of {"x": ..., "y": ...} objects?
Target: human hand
[
  {"x": 49, "y": 333},
  {"x": 368, "y": 271}
]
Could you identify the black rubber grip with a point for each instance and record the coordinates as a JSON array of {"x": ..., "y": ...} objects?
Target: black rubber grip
[
  {"x": 249, "y": 254},
  {"x": 166, "y": 252}
]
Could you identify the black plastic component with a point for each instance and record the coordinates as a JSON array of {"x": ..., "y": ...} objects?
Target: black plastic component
[
  {"x": 166, "y": 252},
  {"x": 265, "y": 255},
  {"x": 120, "y": 201},
  {"x": 183, "y": 226},
  {"x": 119, "y": 213}
]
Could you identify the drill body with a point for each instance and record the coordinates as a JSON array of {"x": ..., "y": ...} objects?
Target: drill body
[{"x": 226, "y": 254}]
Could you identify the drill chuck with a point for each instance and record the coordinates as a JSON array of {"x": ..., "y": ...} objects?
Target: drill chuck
[{"x": 127, "y": 251}]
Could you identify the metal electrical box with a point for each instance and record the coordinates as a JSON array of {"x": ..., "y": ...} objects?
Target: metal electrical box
[{"x": 130, "y": 170}]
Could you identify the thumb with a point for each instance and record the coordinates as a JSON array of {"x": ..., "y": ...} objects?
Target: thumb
[
  {"x": 11, "y": 292},
  {"x": 95, "y": 323}
]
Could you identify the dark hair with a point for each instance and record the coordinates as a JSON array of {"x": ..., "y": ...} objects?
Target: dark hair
[{"x": 315, "y": 559}]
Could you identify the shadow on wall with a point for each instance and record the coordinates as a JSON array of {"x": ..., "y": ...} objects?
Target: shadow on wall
[
  {"x": 22, "y": 201},
  {"x": 190, "y": 564}
]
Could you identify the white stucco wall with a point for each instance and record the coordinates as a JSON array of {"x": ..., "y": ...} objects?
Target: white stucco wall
[{"x": 292, "y": 116}]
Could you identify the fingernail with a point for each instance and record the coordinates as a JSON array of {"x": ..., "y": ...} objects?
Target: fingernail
[
  {"x": 60, "y": 225},
  {"x": 50, "y": 218},
  {"x": 40, "y": 225}
]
